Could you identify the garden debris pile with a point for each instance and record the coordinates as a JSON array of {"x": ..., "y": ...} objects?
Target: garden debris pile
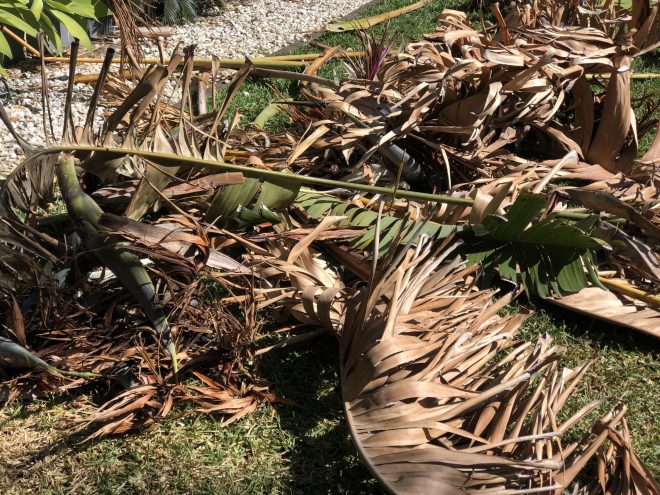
[
  {"x": 488, "y": 115},
  {"x": 401, "y": 211}
]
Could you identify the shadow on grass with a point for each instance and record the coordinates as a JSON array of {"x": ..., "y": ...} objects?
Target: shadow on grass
[
  {"x": 306, "y": 448},
  {"x": 70, "y": 438},
  {"x": 323, "y": 459}
]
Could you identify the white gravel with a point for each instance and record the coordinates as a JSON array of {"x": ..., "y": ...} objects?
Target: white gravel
[
  {"x": 23, "y": 106},
  {"x": 244, "y": 28},
  {"x": 260, "y": 27}
]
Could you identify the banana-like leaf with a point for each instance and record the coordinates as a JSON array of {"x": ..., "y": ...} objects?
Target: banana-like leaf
[
  {"x": 550, "y": 256},
  {"x": 76, "y": 25},
  {"x": 20, "y": 17},
  {"x": 237, "y": 202},
  {"x": 5, "y": 49},
  {"x": 227, "y": 201}
]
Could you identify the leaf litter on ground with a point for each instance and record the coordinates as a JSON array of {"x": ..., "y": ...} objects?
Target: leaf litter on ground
[{"x": 482, "y": 122}]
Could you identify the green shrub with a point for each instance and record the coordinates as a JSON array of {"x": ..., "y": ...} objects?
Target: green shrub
[{"x": 34, "y": 16}]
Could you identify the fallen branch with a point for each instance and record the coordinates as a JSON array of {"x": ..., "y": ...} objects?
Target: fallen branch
[
  {"x": 296, "y": 339},
  {"x": 367, "y": 22}
]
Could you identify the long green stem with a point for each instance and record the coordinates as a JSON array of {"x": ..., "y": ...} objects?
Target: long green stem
[
  {"x": 259, "y": 173},
  {"x": 578, "y": 215},
  {"x": 275, "y": 175}
]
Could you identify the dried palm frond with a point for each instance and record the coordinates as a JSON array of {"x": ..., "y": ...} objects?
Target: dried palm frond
[
  {"x": 614, "y": 308},
  {"x": 471, "y": 97},
  {"x": 114, "y": 291},
  {"x": 433, "y": 402},
  {"x": 124, "y": 285},
  {"x": 440, "y": 396},
  {"x": 129, "y": 15},
  {"x": 483, "y": 114}
]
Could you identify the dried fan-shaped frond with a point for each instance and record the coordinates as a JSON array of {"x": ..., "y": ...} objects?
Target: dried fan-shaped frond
[{"x": 440, "y": 396}]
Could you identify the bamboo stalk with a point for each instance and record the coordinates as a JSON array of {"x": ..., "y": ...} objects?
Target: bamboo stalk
[
  {"x": 21, "y": 41},
  {"x": 205, "y": 63},
  {"x": 367, "y": 22},
  {"x": 578, "y": 215},
  {"x": 637, "y": 75},
  {"x": 92, "y": 78},
  {"x": 273, "y": 62},
  {"x": 302, "y": 56},
  {"x": 314, "y": 56},
  {"x": 646, "y": 75},
  {"x": 630, "y": 291}
]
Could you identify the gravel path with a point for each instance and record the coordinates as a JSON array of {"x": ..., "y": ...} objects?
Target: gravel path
[{"x": 249, "y": 27}]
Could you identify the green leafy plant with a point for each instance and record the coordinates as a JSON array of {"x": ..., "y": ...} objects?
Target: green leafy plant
[
  {"x": 34, "y": 16},
  {"x": 551, "y": 255},
  {"x": 317, "y": 204},
  {"x": 177, "y": 10},
  {"x": 548, "y": 256}
]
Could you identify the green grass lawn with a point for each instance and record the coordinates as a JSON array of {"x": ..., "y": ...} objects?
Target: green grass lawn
[
  {"x": 301, "y": 449},
  {"x": 295, "y": 449},
  {"x": 643, "y": 89}
]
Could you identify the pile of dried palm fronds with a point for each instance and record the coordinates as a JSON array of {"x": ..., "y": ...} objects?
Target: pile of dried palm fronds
[
  {"x": 487, "y": 114},
  {"x": 98, "y": 296},
  {"x": 176, "y": 217}
]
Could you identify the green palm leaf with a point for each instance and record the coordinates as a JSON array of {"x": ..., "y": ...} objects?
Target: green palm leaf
[
  {"x": 318, "y": 204},
  {"x": 548, "y": 256}
]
